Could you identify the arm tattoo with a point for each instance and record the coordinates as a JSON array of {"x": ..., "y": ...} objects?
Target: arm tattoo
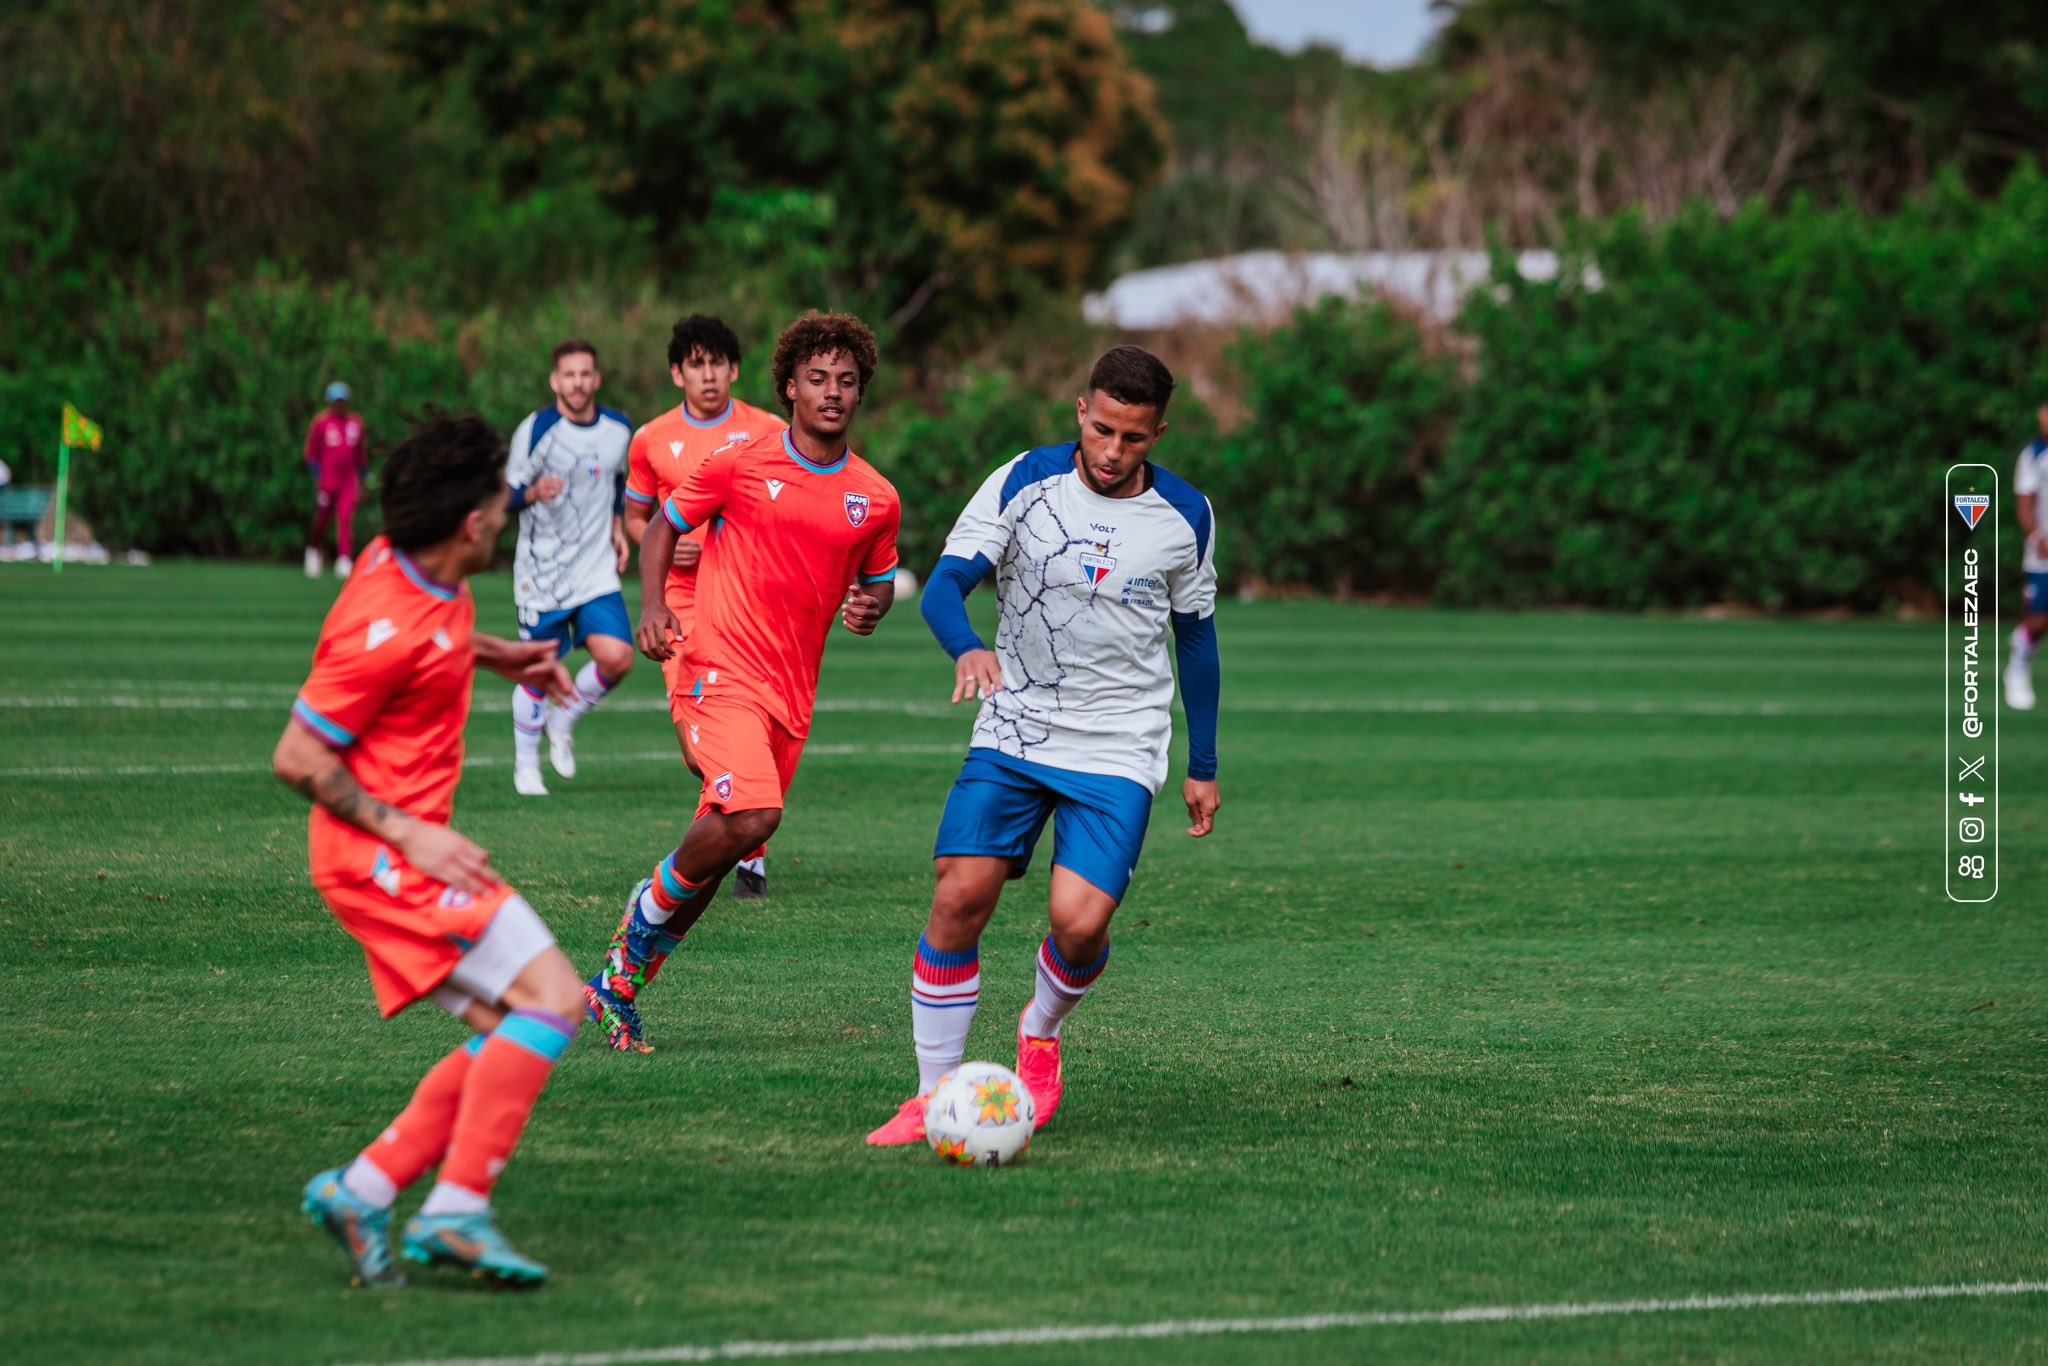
[{"x": 336, "y": 789}]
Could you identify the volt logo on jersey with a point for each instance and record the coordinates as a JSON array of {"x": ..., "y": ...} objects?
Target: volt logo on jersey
[
  {"x": 1097, "y": 568},
  {"x": 380, "y": 631},
  {"x": 722, "y": 785},
  {"x": 774, "y": 489},
  {"x": 384, "y": 873},
  {"x": 1971, "y": 507},
  {"x": 856, "y": 508}
]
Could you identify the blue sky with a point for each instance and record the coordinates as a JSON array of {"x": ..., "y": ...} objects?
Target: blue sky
[{"x": 1381, "y": 32}]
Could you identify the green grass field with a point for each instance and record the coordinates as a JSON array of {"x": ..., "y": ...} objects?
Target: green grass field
[{"x": 1536, "y": 959}]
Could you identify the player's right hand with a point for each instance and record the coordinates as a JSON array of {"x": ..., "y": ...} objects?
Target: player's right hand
[
  {"x": 688, "y": 552},
  {"x": 976, "y": 674},
  {"x": 447, "y": 857},
  {"x": 546, "y": 489},
  {"x": 658, "y": 631}
]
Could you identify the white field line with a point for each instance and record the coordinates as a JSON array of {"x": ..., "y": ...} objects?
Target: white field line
[
  {"x": 644, "y": 756},
  {"x": 1397, "y": 706},
  {"x": 1310, "y": 1323}
]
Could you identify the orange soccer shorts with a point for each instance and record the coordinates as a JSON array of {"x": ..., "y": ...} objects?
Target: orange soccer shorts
[
  {"x": 748, "y": 759},
  {"x": 413, "y": 930}
]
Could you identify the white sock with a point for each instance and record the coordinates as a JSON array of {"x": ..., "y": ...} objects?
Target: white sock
[
  {"x": 757, "y": 866},
  {"x": 591, "y": 689},
  {"x": 1060, "y": 988},
  {"x": 2022, "y": 646},
  {"x": 529, "y": 715},
  {"x": 447, "y": 1199},
  {"x": 945, "y": 988},
  {"x": 366, "y": 1181}
]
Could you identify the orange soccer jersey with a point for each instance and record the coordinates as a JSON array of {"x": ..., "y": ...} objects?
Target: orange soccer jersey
[
  {"x": 787, "y": 537},
  {"x": 665, "y": 451},
  {"x": 390, "y": 691}
]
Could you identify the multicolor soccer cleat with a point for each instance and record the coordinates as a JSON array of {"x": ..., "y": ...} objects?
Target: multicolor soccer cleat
[
  {"x": 470, "y": 1241},
  {"x": 361, "y": 1229},
  {"x": 1038, "y": 1063},
  {"x": 634, "y": 959},
  {"x": 906, "y": 1128}
]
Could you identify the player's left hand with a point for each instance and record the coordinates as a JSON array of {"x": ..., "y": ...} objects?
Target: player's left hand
[
  {"x": 546, "y": 489},
  {"x": 862, "y": 612},
  {"x": 1204, "y": 800},
  {"x": 622, "y": 546},
  {"x": 533, "y": 663}
]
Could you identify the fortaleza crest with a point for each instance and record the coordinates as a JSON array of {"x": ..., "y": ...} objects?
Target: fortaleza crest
[
  {"x": 1971, "y": 507},
  {"x": 722, "y": 785},
  {"x": 856, "y": 508},
  {"x": 1096, "y": 567}
]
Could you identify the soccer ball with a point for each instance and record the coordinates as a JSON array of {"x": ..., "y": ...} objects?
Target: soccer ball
[
  {"x": 980, "y": 1116},
  {"x": 906, "y": 583}
]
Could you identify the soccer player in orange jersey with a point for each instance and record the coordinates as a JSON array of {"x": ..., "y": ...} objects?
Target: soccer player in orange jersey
[
  {"x": 802, "y": 531},
  {"x": 375, "y": 742},
  {"x": 704, "y": 362}
]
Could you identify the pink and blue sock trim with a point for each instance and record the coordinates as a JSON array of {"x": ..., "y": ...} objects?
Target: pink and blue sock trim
[
  {"x": 545, "y": 1035},
  {"x": 1065, "y": 978},
  {"x": 945, "y": 981}
]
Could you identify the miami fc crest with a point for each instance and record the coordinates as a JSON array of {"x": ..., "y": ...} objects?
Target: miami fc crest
[
  {"x": 1096, "y": 567},
  {"x": 856, "y": 508},
  {"x": 722, "y": 785},
  {"x": 1971, "y": 507}
]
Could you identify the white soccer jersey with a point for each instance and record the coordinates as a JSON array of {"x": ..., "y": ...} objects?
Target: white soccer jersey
[
  {"x": 2032, "y": 477},
  {"x": 565, "y": 556},
  {"x": 1086, "y": 585}
]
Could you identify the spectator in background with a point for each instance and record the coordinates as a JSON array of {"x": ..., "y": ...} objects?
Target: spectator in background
[{"x": 339, "y": 459}]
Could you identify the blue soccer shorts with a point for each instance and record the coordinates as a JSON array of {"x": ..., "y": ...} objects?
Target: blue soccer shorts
[
  {"x": 605, "y": 616},
  {"x": 2037, "y": 595},
  {"x": 999, "y": 805}
]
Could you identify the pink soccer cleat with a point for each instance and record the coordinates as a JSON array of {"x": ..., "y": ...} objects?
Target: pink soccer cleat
[
  {"x": 1038, "y": 1063},
  {"x": 906, "y": 1128}
]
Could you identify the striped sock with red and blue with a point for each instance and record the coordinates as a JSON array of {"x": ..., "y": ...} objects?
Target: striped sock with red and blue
[
  {"x": 944, "y": 990},
  {"x": 1061, "y": 985}
]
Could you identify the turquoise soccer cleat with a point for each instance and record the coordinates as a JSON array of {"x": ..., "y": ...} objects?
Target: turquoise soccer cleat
[
  {"x": 362, "y": 1230},
  {"x": 473, "y": 1242}
]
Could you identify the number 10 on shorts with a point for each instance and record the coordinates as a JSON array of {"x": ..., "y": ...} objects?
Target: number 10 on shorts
[{"x": 1971, "y": 644}]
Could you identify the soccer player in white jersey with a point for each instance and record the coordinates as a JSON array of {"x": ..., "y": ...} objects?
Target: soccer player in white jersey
[
  {"x": 1096, "y": 552},
  {"x": 568, "y": 477},
  {"x": 2027, "y": 483}
]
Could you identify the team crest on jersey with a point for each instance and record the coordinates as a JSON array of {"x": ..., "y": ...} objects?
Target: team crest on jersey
[
  {"x": 856, "y": 508},
  {"x": 1971, "y": 507},
  {"x": 722, "y": 785},
  {"x": 454, "y": 900},
  {"x": 1096, "y": 567}
]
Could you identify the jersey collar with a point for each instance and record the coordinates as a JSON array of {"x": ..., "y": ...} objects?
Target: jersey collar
[
  {"x": 421, "y": 580},
  {"x": 718, "y": 421},
  {"x": 789, "y": 446}
]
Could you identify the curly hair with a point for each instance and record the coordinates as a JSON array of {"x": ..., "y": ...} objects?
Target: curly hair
[
  {"x": 822, "y": 334},
  {"x": 702, "y": 332},
  {"x": 437, "y": 476}
]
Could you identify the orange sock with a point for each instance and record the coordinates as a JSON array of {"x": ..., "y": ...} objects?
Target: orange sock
[
  {"x": 411, "y": 1145},
  {"x": 504, "y": 1083}
]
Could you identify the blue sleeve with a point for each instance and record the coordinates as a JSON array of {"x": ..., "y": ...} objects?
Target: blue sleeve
[
  {"x": 1201, "y": 688},
  {"x": 945, "y": 602},
  {"x": 619, "y": 494},
  {"x": 515, "y": 501}
]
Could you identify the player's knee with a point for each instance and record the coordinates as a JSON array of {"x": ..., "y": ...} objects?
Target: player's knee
[
  {"x": 751, "y": 829},
  {"x": 550, "y": 983},
  {"x": 614, "y": 658}
]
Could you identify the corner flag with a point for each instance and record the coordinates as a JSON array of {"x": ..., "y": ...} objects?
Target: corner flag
[{"x": 82, "y": 432}]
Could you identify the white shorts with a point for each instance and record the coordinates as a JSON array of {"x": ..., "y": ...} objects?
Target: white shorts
[{"x": 515, "y": 937}]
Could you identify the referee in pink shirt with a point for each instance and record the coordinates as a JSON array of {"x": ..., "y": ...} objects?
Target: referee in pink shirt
[{"x": 339, "y": 459}]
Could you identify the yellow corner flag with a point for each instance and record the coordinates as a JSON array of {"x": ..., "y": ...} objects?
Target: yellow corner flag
[{"x": 80, "y": 430}]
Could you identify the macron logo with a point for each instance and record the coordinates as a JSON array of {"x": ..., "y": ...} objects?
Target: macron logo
[
  {"x": 774, "y": 489},
  {"x": 441, "y": 639},
  {"x": 675, "y": 448},
  {"x": 381, "y": 630}
]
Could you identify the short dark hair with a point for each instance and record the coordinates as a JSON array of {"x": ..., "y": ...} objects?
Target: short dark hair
[
  {"x": 571, "y": 347},
  {"x": 437, "y": 476},
  {"x": 822, "y": 334},
  {"x": 702, "y": 332},
  {"x": 1133, "y": 375}
]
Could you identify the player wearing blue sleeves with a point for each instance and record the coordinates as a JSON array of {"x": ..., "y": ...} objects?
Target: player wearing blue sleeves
[
  {"x": 567, "y": 473},
  {"x": 1096, "y": 554}
]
